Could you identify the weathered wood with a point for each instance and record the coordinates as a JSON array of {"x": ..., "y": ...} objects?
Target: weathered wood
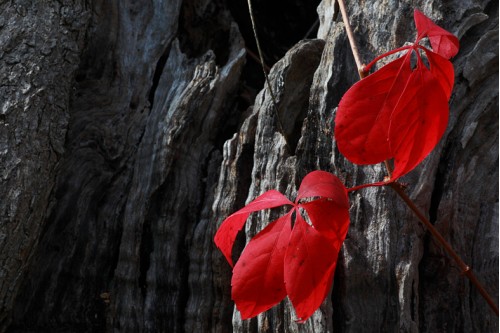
[{"x": 122, "y": 148}]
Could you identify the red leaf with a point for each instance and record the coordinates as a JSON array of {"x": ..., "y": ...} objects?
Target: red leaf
[
  {"x": 363, "y": 115},
  {"x": 258, "y": 281},
  {"x": 225, "y": 236},
  {"x": 280, "y": 261},
  {"x": 310, "y": 262},
  {"x": 321, "y": 184},
  {"x": 418, "y": 121},
  {"x": 330, "y": 218},
  {"x": 443, "y": 42},
  {"x": 399, "y": 112},
  {"x": 442, "y": 70}
]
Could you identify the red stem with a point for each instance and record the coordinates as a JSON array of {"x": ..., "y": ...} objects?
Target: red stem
[
  {"x": 465, "y": 269},
  {"x": 359, "y": 187},
  {"x": 350, "y": 36}
]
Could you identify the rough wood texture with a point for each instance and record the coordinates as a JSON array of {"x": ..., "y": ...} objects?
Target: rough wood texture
[
  {"x": 40, "y": 47},
  {"x": 123, "y": 147}
]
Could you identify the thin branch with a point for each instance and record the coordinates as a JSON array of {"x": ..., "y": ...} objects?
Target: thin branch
[
  {"x": 278, "y": 120},
  {"x": 466, "y": 270},
  {"x": 352, "y": 39}
]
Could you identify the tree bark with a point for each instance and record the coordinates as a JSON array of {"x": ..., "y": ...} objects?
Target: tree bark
[
  {"x": 125, "y": 140},
  {"x": 40, "y": 49}
]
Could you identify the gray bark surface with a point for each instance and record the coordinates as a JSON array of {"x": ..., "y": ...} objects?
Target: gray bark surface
[{"x": 123, "y": 147}]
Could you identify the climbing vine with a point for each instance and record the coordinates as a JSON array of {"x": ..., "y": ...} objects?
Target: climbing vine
[{"x": 395, "y": 115}]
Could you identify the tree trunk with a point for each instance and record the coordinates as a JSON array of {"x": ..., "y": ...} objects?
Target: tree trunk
[{"x": 129, "y": 130}]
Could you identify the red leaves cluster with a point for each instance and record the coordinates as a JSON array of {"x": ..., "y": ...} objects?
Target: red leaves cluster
[
  {"x": 282, "y": 260},
  {"x": 399, "y": 111}
]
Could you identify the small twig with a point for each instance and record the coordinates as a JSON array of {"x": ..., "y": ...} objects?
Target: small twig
[{"x": 278, "y": 120}]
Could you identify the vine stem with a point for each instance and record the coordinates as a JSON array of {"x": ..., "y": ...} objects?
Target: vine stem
[
  {"x": 466, "y": 270},
  {"x": 398, "y": 188},
  {"x": 268, "y": 83},
  {"x": 352, "y": 39}
]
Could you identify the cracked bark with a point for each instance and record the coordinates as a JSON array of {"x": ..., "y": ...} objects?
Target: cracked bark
[{"x": 124, "y": 143}]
